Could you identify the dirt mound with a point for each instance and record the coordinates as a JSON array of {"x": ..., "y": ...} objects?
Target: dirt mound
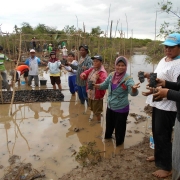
[{"x": 129, "y": 164}]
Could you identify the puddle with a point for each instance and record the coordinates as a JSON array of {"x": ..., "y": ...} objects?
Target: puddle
[{"x": 43, "y": 133}]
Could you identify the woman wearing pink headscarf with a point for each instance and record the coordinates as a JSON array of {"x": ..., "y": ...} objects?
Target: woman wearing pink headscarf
[{"x": 119, "y": 85}]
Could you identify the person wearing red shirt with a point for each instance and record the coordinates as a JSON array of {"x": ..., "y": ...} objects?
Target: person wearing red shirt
[
  {"x": 20, "y": 70},
  {"x": 95, "y": 75}
]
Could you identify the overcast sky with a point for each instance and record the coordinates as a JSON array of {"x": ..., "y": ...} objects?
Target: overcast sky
[{"x": 59, "y": 13}]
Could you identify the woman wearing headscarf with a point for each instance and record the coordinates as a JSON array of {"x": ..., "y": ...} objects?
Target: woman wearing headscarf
[
  {"x": 119, "y": 85},
  {"x": 54, "y": 68}
]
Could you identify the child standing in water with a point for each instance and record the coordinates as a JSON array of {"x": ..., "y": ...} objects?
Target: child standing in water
[
  {"x": 119, "y": 85},
  {"x": 96, "y": 74},
  {"x": 54, "y": 68}
]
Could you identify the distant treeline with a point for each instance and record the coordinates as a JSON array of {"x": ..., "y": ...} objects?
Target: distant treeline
[{"x": 97, "y": 41}]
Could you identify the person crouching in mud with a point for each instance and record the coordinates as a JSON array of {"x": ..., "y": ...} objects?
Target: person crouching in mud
[
  {"x": 20, "y": 70},
  {"x": 119, "y": 85}
]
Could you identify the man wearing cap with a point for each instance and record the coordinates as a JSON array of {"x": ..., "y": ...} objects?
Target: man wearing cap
[
  {"x": 85, "y": 62},
  {"x": 3, "y": 58},
  {"x": 33, "y": 63},
  {"x": 95, "y": 75},
  {"x": 164, "y": 111}
]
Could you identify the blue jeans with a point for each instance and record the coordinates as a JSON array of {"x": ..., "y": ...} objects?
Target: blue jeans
[
  {"x": 82, "y": 93},
  {"x": 72, "y": 84}
]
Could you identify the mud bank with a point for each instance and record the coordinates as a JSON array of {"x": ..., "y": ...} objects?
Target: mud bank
[{"x": 128, "y": 164}]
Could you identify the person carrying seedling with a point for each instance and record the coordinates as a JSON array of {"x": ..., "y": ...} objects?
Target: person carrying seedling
[
  {"x": 119, "y": 85},
  {"x": 95, "y": 75},
  {"x": 164, "y": 112}
]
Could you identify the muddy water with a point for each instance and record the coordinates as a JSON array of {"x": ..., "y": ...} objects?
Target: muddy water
[{"x": 43, "y": 133}]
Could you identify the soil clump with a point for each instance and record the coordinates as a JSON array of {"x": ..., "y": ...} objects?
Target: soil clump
[{"x": 19, "y": 170}]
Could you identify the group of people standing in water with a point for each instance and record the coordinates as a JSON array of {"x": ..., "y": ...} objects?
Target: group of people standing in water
[
  {"x": 89, "y": 79},
  {"x": 164, "y": 100}
]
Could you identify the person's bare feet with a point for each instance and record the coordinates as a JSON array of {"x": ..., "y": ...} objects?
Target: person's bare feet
[
  {"x": 162, "y": 173},
  {"x": 91, "y": 117},
  {"x": 150, "y": 158}
]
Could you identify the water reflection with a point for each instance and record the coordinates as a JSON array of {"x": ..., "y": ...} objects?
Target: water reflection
[
  {"x": 55, "y": 111},
  {"x": 47, "y": 129}
]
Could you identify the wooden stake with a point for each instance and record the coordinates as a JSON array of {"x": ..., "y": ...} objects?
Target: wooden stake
[
  {"x": 111, "y": 29},
  {"x": 14, "y": 80}
]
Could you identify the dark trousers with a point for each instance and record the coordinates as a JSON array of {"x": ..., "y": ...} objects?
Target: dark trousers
[
  {"x": 72, "y": 84},
  {"x": 117, "y": 121},
  {"x": 82, "y": 94},
  {"x": 162, "y": 124},
  {"x": 4, "y": 80},
  {"x": 36, "y": 80}
]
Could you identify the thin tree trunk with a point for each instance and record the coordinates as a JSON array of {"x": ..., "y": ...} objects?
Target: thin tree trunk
[{"x": 14, "y": 80}]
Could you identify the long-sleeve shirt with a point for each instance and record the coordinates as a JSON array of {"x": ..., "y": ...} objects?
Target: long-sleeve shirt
[
  {"x": 98, "y": 94},
  {"x": 174, "y": 94},
  {"x": 118, "y": 98},
  {"x": 68, "y": 68},
  {"x": 87, "y": 63}
]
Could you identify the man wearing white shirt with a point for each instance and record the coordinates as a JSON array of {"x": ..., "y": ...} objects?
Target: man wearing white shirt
[{"x": 33, "y": 63}]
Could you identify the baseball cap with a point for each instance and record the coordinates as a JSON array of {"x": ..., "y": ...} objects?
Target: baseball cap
[
  {"x": 97, "y": 57},
  {"x": 84, "y": 46},
  {"x": 32, "y": 51},
  {"x": 172, "y": 40}
]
